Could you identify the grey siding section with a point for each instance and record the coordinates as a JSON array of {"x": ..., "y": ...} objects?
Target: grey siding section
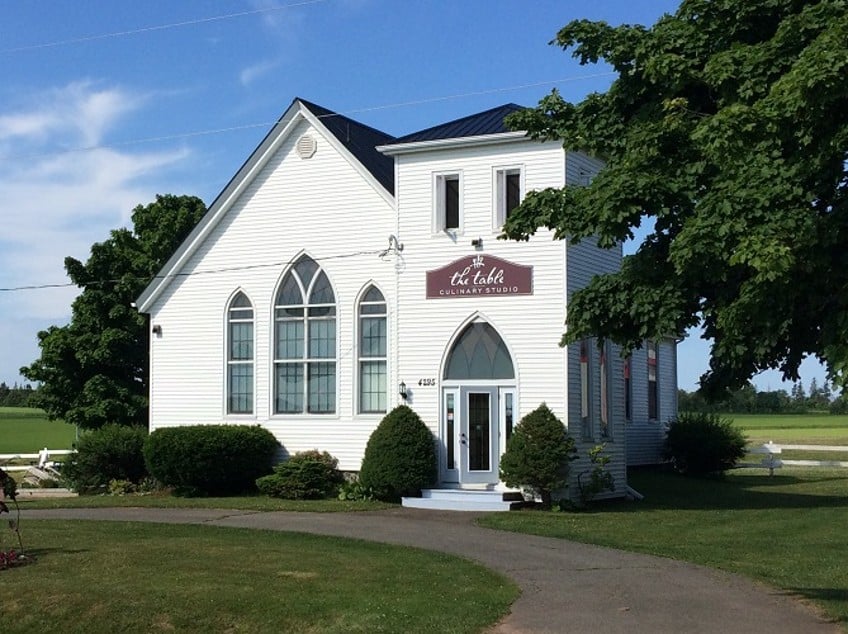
[{"x": 645, "y": 437}]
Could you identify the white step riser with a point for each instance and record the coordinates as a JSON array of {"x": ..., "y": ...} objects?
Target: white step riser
[
  {"x": 468, "y": 496},
  {"x": 455, "y": 505}
]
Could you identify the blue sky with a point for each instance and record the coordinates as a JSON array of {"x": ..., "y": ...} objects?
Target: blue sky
[{"x": 105, "y": 104}]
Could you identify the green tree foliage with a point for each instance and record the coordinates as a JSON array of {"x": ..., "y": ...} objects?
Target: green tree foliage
[
  {"x": 538, "y": 454},
  {"x": 17, "y": 396},
  {"x": 400, "y": 457},
  {"x": 726, "y": 134},
  {"x": 94, "y": 370}
]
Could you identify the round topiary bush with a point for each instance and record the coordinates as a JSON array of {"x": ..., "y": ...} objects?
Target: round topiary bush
[
  {"x": 700, "y": 444},
  {"x": 307, "y": 475},
  {"x": 112, "y": 452},
  {"x": 210, "y": 459},
  {"x": 400, "y": 458},
  {"x": 538, "y": 454}
]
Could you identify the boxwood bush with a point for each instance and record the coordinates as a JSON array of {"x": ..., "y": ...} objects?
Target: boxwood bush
[
  {"x": 400, "y": 457},
  {"x": 112, "y": 452},
  {"x": 210, "y": 459},
  {"x": 305, "y": 476},
  {"x": 700, "y": 443}
]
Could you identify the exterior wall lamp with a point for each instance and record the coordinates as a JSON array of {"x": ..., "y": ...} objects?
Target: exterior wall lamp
[
  {"x": 157, "y": 330},
  {"x": 402, "y": 391}
]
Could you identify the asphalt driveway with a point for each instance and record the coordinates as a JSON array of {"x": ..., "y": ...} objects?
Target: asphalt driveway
[{"x": 565, "y": 586}]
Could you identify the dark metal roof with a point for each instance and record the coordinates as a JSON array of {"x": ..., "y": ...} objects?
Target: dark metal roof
[
  {"x": 488, "y": 122},
  {"x": 361, "y": 140}
]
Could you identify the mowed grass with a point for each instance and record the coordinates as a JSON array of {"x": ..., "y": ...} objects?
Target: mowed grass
[
  {"x": 27, "y": 430},
  {"x": 809, "y": 429},
  {"x": 109, "y": 577},
  {"x": 788, "y": 530}
]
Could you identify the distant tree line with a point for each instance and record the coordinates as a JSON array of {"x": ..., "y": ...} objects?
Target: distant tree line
[
  {"x": 749, "y": 400},
  {"x": 17, "y": 395}
]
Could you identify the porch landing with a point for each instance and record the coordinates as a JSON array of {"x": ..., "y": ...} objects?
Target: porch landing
[{"x": 465, "y": 500}]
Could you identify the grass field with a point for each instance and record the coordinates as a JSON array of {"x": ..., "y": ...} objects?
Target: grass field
[
  {"x": 27, "y": 430},
  {"x": 812, "y": 429},
  {"x": 109, "y": 577}
]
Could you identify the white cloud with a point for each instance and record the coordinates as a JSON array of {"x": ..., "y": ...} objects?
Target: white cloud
[
  {"x": 250, "y": 74},
  {"x": 56, "y": 203}
]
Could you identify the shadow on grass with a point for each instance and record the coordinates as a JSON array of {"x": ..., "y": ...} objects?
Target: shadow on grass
[
  {"x": 664, "y": 489},
  {"x": 823, "y": 595}
]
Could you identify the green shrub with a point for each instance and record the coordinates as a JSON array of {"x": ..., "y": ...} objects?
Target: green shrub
[
  {"x": 307, "y": 475},
  {"x": 538, "y": 454},
  {"x": 400, "y": 458},
  {"x": 353, "y": 491},
  {"x": 599, "y": 478},
  {"x": 210, "y": 459},
  {"x": 112, "y": 452},
  {"x": 700, "y": 443}
]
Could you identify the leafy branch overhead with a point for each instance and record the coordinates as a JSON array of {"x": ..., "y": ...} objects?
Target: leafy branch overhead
[{"x": 725, "y": 137}]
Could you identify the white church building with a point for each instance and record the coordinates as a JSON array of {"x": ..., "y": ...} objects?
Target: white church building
[{"x": 343, "y": 271}]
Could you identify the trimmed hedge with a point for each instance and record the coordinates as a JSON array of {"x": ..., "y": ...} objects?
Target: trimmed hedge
[
  {"x": 700, "y": 444},
  {"x": 210, "y": 459},
  {"x": 400, "y": 458},
  {"x": 112, "y": 452},
  {"x": 307, "y": 475}
]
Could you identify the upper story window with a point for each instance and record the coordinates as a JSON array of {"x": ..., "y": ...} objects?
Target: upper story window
[
  {"x": 240, "y": 355},
  {"x": 305, "y": 342},
  {"x": 653, "y": 388},
  {"x": 373, "y": 346},
  {"x": 448, "y": 202},
  {"x": 604, "y": 372},
  {"x": 509, "y": 190}
]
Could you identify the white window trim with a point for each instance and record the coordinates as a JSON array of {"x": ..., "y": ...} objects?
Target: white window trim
[
  {"x": 228, "y": 362},
  {"x": 499, "y": 174},
  {"x": 359, "y": 358},
  {"x": 439, "y": 178}
]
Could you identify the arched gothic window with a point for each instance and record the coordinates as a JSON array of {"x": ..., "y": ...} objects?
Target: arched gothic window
[
  {"x": 240, "y": 355},
  {"x": 305, "y": 341},
  {"x": 373, "y": 339},
  {"x": 479, "y": 353}
]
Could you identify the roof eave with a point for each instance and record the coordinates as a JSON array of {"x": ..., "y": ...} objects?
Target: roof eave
[{"x": 393, "y": 149}]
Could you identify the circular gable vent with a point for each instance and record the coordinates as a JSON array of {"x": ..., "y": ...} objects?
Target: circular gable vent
[{"x": 306, "y": 146}]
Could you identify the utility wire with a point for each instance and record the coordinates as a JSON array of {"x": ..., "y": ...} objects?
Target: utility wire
[
  {"x": 266, "y": 124},
  {"x": 160, "y": 27},
  {"x": 246, "y": 267}
]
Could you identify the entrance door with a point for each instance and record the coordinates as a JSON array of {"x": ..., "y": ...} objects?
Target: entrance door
[{"x": 479, "y": 435}]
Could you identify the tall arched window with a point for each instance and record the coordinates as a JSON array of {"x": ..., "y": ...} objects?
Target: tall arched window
[
  {"x": 240, "y": 355},
  {"x": 305, "y": 341},
  {"x": 373, "y": 339}
]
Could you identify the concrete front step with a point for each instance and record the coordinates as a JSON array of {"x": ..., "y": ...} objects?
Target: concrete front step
[{"x": 463, "y": 500}]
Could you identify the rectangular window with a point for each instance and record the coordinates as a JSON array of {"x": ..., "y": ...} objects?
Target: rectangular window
[
  {"x": 289, "y": 388},
  {"x": 372, "y": 386},
  {"x": 509, "y": 190},
  {"x": 322, "y": 388},
  {"x": 628, "y": 391},
  {"x": 604, "y": 382},
  {"x": 585, "y": 392},
  {"x": 448, "y": 215},
  {"x": 653, "y": 390}
]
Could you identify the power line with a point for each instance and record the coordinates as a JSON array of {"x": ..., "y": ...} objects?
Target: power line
[
  {"x": 246, "y": 267},
  {"x": 160, "y": 27},
  {"x": 266, "y": 124}
]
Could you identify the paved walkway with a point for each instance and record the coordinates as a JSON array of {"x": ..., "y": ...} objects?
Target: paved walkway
[{"x": 565, "y": 586}]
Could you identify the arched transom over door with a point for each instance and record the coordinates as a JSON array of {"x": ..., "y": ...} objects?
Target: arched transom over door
[{"x": 478, "y": 403}]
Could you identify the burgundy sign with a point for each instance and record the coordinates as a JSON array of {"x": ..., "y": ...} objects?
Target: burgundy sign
[{"x": 479, "y": 276}]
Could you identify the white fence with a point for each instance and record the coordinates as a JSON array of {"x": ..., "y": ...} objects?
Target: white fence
[
  {"x": 43, "y": 458},
  {"x": 772, "y": 462}
]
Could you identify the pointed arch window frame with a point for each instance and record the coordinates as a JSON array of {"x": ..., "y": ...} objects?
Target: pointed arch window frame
[
  {"x": 482, "y": 347},
  {"x": 373, "y": 352},
  {"x": 305, "y": 345},
  {"x": 241, "y": 347}
]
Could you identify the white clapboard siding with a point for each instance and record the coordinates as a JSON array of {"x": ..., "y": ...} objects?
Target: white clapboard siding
[{"x": 321, "y": 206}]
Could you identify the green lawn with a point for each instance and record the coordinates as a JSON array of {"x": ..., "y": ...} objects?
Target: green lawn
[
  {"x": 796, "y": 429},
  {"x": 787, "y": 530},
  {"x": 109, "y": 577},
  {"x": 27, "y": 430}
]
